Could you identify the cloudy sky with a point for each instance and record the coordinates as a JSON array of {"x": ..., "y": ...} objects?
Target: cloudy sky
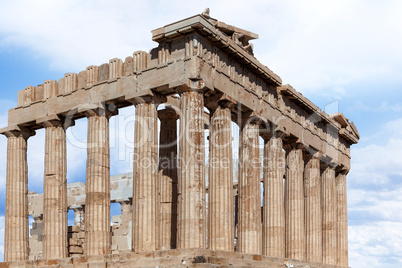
[{"x": 343, "y": 55}]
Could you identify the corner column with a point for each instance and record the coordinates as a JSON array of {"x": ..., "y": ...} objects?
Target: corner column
[
  {"x": 274, "y": 205},
  {"x": 16, "y": 233},
  {"x": 342, "y": 219},
  {"x": 329, "y": 225},
  {"x": 191, "y": 220},
  {"x": 312, "y": 190},
  {"x": 249, "y": 226},
  {"x": 145, "y": 234},
  {"x": 168, "y": 178},
  {"x": 294, "y": 204},
  {"x": 220, "y": 187},
  {"x": 55, "y": 244},
  {"x": 97, "y": 203}
]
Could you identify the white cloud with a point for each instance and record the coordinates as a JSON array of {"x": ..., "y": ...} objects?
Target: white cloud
[
  {"x": 377, "y": 244},
  {"x": 375, "y": 199}
]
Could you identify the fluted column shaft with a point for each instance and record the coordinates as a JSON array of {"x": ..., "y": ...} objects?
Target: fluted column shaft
[
  {"x": 342, "y": 220},
  {"x": 97, "y": 204},
  {"x": 168, "y": 182},
  {"x": 329, "y": 225},
  {"x": 55, "y": 224},
  {"x": 220, "y": 187},
  {"x": 274, "y": 205},
  {"x": 294, "y": 205},
  {"x": 249, "y": 226},
  {"x": 16, "y": 216},
  {"x": 191, "y": 201},
  {"x": 313, "y": 218},
  {"x": 145, "y": 174}
]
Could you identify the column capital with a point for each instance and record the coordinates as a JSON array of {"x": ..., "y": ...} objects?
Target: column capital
[
  {"x": 17, "y": 131},
  {"x": 193, "y": 84},
  {"x": 145, "y": 96},
  {"x": 327, "y": 162},
  {"x": 220, "y": 100},
  {"x": 98, "y": 109},
  {"x": 168, "y": 113},
  {"x": 293, "y": 146},
  {"x": 55, "y": 121}
]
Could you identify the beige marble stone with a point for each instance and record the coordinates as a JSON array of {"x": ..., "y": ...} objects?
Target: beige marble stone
[
  {"x": 313, "y": 218},
  {"x": 329, "y": 225},
  {"x": 54, "y": 237},
  {"x": 16, "y": 217},
  {"x": 249, "y": 200},
  {"x": 294, "y": 205},
  {"x": 97, "y": 204},
  {"x": 274, "y": 205},
  {"x": 342, "y": 220},
  {"x": 220, "y": 187},
  {"x": 145, "y": 175},
  {"x": 191, "y": 220}
]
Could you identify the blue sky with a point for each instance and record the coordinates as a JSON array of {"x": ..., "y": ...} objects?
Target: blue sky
[{"x": 343, "y": 55}]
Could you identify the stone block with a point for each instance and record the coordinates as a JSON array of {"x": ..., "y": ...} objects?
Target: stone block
[
  {"x": 75, "y": 250},
  {"x": 50, "y": 89},
  {"x": 92, "y": 75},
  {"x": 115, "y": 68},
  {"x": 75, "y": 242},
  {"x": 70, "y": 83},
  {"x": 103, "y": 72},
  {"x": 139, "y": 61},
  {"x": 82, "y": 80},
  {"x": 128, "y": 66},
  {"x": 39, "y": 93},
  {"x": 97, "y": 265}
]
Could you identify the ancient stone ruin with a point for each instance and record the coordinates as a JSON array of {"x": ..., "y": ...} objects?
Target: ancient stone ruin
[{"x": 204, "y": 75}]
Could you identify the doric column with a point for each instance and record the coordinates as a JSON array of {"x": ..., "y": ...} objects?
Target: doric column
[
  {"x": 145, "y": 234},
  {"x": 342, "y": 220},
  {"x": 16, "y": 218},
  {"x": 97, "y": 203},
  {"x": 274, "y": 205},
  {"x": 329, "y": 225},
  {"x": 220, "y": 187},
  {"x": 168, "y": 180},
  {"x": 294, "y": 204},
  {"x": 191, "y": 220},
  {"x": 313, "y": 219},
  {"x": 55, "y": 244},
  {"x": 249, "y": 226}
]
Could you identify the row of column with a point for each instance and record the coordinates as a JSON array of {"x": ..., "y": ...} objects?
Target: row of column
[{"x": 307, "y": 222}]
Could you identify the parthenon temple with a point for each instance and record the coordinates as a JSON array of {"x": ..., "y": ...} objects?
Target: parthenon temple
[{"x": 184, "y": 205}]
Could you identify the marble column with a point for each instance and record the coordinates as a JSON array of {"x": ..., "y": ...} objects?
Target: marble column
[
  {"x": 220, "y": 187},
  {"x": 191, "y": 220},
  {"x": 55, "y": 245},
  {"x": 145, "y": 234},
  {"x": 249, "y": 226},
  {"x": 294, "y": 204},
  {"x": 342, "y": 220},
  {"x": 329, "y": 225},
  {"x": 16, "y": 217},
  {"x": 168, "y": 180},
  {"x": 313, "y": 218},
  {"x": 274, "y": 205},
  {"x": 97, "y": 203}
]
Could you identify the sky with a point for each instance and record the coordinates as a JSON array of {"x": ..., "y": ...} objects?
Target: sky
[{"x": 343, "y": 55}]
